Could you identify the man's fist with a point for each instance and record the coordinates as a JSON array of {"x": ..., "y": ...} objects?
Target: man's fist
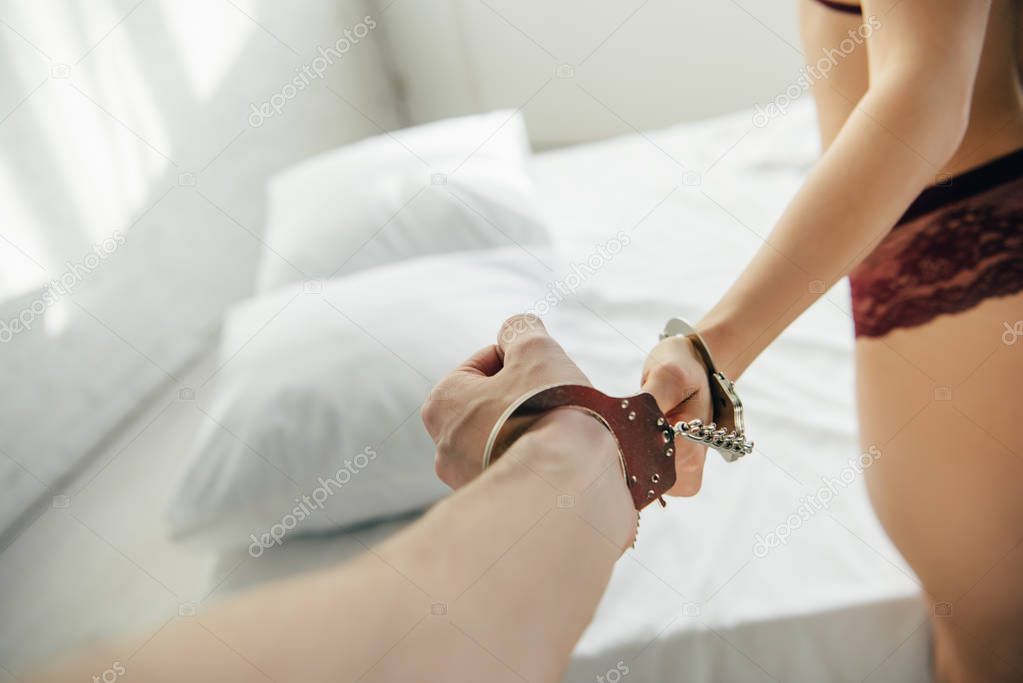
[{"x": 463, "y": 408}]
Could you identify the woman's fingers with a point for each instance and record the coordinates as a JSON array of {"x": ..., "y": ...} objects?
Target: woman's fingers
[
  {"x": 689, "y": 463},
  {"x": 671, "y": 385},
  {"x": 673, "y": 373},
  {"x": 676, "y": 377},
  {"x": 690, "y": 456}
]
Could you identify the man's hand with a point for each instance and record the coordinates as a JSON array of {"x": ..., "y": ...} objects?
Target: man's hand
[
  {"x": 464, "y": 407},
  {"x": 677, "y": 378}
]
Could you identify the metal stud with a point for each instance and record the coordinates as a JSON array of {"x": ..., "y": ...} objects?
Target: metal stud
[
  {"x": 632, "y": 415},
  {"x": 655, "y": 477},
  {"x": 625, "y": 403}
]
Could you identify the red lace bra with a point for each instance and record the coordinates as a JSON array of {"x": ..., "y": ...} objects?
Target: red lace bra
[{"x": 959, "y": 243}]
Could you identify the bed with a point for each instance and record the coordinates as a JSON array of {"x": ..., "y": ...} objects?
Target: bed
[{"x": 745, "y": 582}]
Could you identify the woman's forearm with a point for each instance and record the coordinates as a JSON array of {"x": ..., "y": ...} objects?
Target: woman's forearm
[
  {"x": 892, "y": 146},
  {"x": 495, "y": 583}
]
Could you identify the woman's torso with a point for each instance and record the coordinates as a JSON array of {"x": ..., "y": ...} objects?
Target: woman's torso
[
  {"x": 964, "y": 355},
  {"x": 996, "y": 118}
]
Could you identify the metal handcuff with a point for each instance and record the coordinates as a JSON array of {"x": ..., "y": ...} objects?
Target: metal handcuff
[{"x": 644, "y": 437}]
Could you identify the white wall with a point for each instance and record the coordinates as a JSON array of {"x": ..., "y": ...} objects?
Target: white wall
[{"x": 635, "y": 64}]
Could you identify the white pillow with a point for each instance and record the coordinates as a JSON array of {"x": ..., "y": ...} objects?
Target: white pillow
[
  {"x": 312, "y": 380},
  {"x": 452, "y": 185}
]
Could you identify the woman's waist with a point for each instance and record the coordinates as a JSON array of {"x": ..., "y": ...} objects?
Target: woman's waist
[
  {"x": 994, "y": 173},
  {"x": 992, "y": 132}
]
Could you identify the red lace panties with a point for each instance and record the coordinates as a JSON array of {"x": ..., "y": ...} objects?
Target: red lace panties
[{"x": 959, "y": 243}]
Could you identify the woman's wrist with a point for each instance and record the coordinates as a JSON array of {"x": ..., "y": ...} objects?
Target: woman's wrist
[{"x": 732, "y": 353}]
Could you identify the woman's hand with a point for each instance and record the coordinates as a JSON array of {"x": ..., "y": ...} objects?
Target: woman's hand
[
  {"x": 464, "y": 407},
  {"x": 677, "y": 378}
]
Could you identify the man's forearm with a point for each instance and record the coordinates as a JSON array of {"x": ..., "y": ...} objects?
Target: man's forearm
[
  {"x": 524, "y": 553},
  {"x": 495, "y": 583}
]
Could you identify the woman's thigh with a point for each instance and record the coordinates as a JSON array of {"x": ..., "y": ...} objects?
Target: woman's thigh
[{"x": 943, "y": 403}]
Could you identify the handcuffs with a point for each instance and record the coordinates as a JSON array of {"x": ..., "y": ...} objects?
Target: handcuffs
[{"x": 645, "y": 439}]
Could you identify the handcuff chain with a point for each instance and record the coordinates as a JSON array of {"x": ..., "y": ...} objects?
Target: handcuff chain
[{"x": 710, "y": 435}]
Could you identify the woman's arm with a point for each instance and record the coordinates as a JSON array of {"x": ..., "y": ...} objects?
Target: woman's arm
[
  {"x": 923, "y": 60},
  {"x": 495, "y": 583}
]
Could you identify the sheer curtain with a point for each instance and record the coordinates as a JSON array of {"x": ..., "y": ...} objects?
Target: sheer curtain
[{"x": 132, "y": 169}]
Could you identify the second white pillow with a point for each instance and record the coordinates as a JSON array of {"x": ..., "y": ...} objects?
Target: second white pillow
[{"x": 455, "y": 185}]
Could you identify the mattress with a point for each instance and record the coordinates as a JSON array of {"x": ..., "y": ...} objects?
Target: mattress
[{"x": 748, "y": 581}]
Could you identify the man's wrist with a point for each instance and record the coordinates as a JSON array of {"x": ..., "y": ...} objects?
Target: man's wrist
[
  {"x": 570, "y": 446},
  {"x": 578, "y": 457}
]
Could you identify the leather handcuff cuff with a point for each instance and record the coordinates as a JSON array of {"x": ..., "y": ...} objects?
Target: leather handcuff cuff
[{"x": 644, "y": 437}]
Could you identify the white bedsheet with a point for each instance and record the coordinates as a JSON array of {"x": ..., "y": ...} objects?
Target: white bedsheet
[{"x": 696, "y": 600}]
